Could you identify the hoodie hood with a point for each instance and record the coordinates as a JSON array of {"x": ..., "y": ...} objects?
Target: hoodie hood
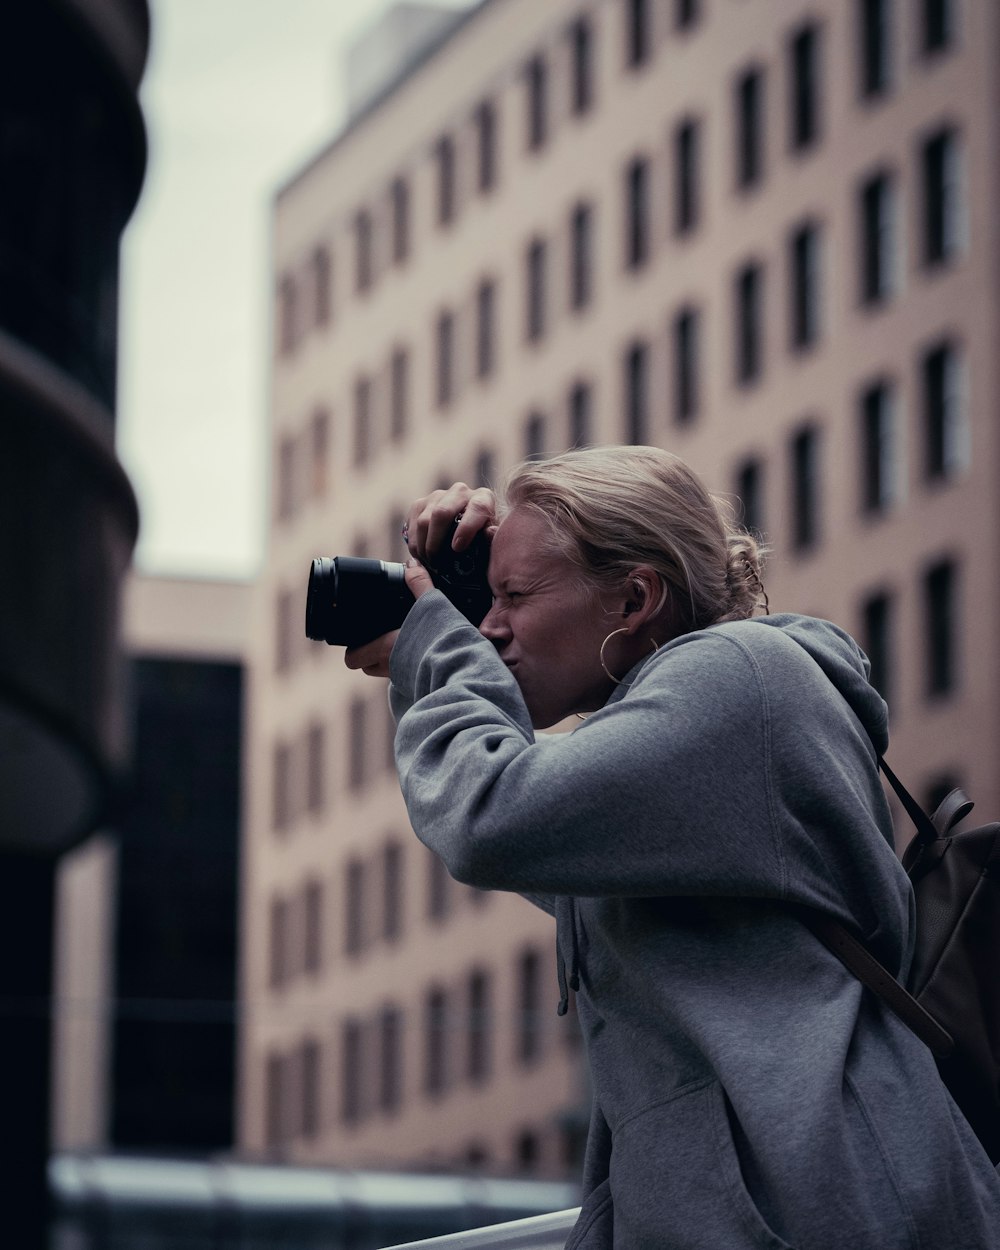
[{"x": 844, "y": 664}]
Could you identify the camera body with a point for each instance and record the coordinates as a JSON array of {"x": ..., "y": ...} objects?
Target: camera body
[{"x": 350, "y": 601}]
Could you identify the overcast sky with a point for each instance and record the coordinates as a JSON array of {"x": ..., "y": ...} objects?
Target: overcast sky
[{"x": 238, "y": 94}]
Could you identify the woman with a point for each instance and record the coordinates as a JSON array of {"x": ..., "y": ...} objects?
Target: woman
[{"x": 748, "y": 1091}]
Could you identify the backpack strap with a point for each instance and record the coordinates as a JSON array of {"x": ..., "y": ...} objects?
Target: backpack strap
[{"x": 926, "y": 830}]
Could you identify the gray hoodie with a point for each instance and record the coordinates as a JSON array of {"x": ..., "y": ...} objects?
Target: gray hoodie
[{"x": 748, "y": 1091}]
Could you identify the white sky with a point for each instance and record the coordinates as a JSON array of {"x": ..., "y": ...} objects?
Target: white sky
[{"x": 238, "y": 94}]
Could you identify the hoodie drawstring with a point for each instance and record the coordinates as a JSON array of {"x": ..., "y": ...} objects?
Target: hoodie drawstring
[{"x": 566, "y": 930}]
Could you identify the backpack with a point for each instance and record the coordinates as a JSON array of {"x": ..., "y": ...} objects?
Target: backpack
[{"x": 952, "y": 995}]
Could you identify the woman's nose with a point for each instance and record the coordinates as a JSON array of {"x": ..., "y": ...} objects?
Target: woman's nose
[{"x": 493, "y": 627}]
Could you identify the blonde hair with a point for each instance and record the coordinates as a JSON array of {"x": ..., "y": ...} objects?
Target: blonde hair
[{"x": 609, "y": 509}]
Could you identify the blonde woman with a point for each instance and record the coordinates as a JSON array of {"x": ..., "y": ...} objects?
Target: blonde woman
[{"x": 749, "y": 1092}]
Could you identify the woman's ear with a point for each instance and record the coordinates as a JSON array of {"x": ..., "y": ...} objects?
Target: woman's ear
[{"x": 644, "y": 597}]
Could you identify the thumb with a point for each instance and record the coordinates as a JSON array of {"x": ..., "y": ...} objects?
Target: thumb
[{"x": 417, "y": 578}]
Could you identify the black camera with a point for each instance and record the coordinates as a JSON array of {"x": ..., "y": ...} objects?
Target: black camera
[{"x": 350, "y": 601}]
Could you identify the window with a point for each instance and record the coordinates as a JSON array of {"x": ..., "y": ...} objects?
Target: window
[
  {"x": 439, "y": 888},
  {"x": 527, "y": 1151},
  {"x": 399, "y": 200},
  {"x": 686, "y": 13},
  {"x": 485, "y": 473},
  {"x": 315, "y": 761},
  {"x": 878, "y": 467},
  {"x": 486, "y": 328},
  {"x": 363, "y": 252},
  {"x": 804, "y": 80},
  {"x": 686, "y": 176},
  {"x": 390, "y": 1090},
  {"x": 942, "y": 197},
  {"x": 282, "y": 797},
  {"x": 536, "y": 301},
  {"x": 805, "y": 489},
  {"x": 749, "y": 327},
  {"x": 287, "y": 626},
  {"x": 581, "y": 272},
  {"x": 874, "y": 47},
  {"x": 878, "y": 238},
  {"x": 685, "y": 353},
  {"x": 322, "y": 287},
  {"x": 580, "y": 414},
  {"x": 876, "y": 632},
  {"x": 941, "y": 614},
  {"x": 435, "y": 1041},
  {"x": 354, "y": 908},
  {"x": 749, "y": 488},
  {"x": 392, "y": 892},
  {"x": 363, "y": 433},
  {"x": 285, "y": 500},
  {"x": 312, "y": 961},
  {"x": 637, "y": 394},
  {"x": 537, "y": 82},
  {"x": 581, "y": 39},
  {"x": 805, "y": 295},
  {"x": 399, "y": 393},
  {"x": 534, "y": 436},
  {"x": 288, "y": 329},
  {"x": 480, "y": 1057},
  {"x": 276, "y": 1103},
  {"x": 319, "y": 452},
  {"x": 945, "y": 452},
  {"x": 637, "y": 213},
  {"x": 357, "y": 744},
  {"x": 280, "y": 954},
  {"x": 444, "y": 155},
  {"x": 444, "y": 340},
  {"x": 637, "y": 32},
  {"x": 939, "y": 24},
  {"x": 529, "y": 1031},
  {"x": 486, "y": 135},
  {"x": 748, "y": 102},
  {"x": 311, "y": 1089},
  {"x": 351, "y": 1088}
]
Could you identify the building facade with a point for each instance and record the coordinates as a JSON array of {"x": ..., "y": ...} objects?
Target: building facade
[{"x": 755, "y": 232}]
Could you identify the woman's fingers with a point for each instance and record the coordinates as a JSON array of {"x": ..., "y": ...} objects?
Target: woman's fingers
[
  {"x": 372, "y": 657},
  {"x": 430, "y": 519}
]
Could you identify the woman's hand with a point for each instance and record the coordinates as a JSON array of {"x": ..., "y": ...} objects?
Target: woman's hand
[{"x": 430, "y": 519}]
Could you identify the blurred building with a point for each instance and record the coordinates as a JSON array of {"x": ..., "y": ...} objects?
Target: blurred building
[
  {"x": 72, "y": 159},
  {"x": 144, "y": 1055},
  {"x": 757, "y": 232}
]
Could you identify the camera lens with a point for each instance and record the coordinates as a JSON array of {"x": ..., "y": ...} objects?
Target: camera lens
[{"x": 350, "y": 601}]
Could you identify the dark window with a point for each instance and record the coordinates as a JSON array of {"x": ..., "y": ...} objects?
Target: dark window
[
  {"x": 534, "y": 436},
  {"x": 439, "y": 888},
  {"x": 286, "y": 631},
  {"x": 537, "y": 82},
  {"x": 354, "y": 908},
  {"x": 322, "y": 274},
  {"x": 750, "y": 494},
  {"x": 363, "y": 432},
  {"x": 686, "y": 13},
  {"x": 581, "y": 273},
  {"x": 536, "y": 297},
  {"x": 357, "y": 744},
  {"x": 444, "y": 340},
  {"x": 749, "y": 323},
  {"x": 878, "y": 466},
  {"x": 878, "y": 238},
  {"x": 286, "y": 479},
  {"x": 445, "y": 158},
  {"x": 315, "y": 761},
  {"x": 390, "y": 1092},
  {"x": 805, "y": 88},
  {"x": 392, "y": 892},
  {"x": 687, "y": 162},
  {"x": 874, "y": 47},
  {"x": 939, "y": 20},
  {"x": 311, "y": 1090},
  {"x": 749, "y": 128},
  {"x": 944, "y": 432},
  {"x": 319, "y": 448},
  {"x": 876, "y": 631},
  {"x": 435, "y": 1041},
  {"x": 312, "y": 961},
  {"x": 352, "y": 1056},
  {"x": 580, "y": 414},
  {"x": 805, "y": 489},
  {"x": 399, "y": 393},
  {"x": 288, "y": 315},
  {"x": 480, "y": 1056},
  {"x": 485, "y": 473},
  {"x": 486, "y": 134},
  {"x": 529, "y": 1002},
  {"x": 637, "y": 394},
  {"x": 282, "y": 804},
  {"x": 364, "y": 269},
  {"x": 942, "y": 197},
  {"x": 275, "y": 1113},
  {"x": 637, "y": 213},
  {"x": 527, "y": 1151},
  {"x": 582, "y": 65},
  {"x": 280, "y": 957},
  {"x": 399, "y": 197},
  {"x": 941, "y": 614},
  {"x": 805, "y": 296},
  {"x": 638, "y": 43},
  {"x": 686, "y": 343},
  {"x": 486, "y": 328}
]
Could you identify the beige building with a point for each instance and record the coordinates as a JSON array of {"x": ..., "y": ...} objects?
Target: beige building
[{"x": 757, "y": 232}]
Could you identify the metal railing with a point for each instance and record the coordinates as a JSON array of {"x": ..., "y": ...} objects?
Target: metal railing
[{"x": 540, "y": 1232}]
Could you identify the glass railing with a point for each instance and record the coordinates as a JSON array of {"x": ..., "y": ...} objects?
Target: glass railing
[{"x": 540, "y": 1232}]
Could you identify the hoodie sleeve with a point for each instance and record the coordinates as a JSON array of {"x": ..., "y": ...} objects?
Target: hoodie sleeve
[{"x": 666, "y": 790}]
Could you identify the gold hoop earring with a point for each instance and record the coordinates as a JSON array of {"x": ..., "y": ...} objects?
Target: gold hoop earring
[{"x": 623, "y": 630}]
